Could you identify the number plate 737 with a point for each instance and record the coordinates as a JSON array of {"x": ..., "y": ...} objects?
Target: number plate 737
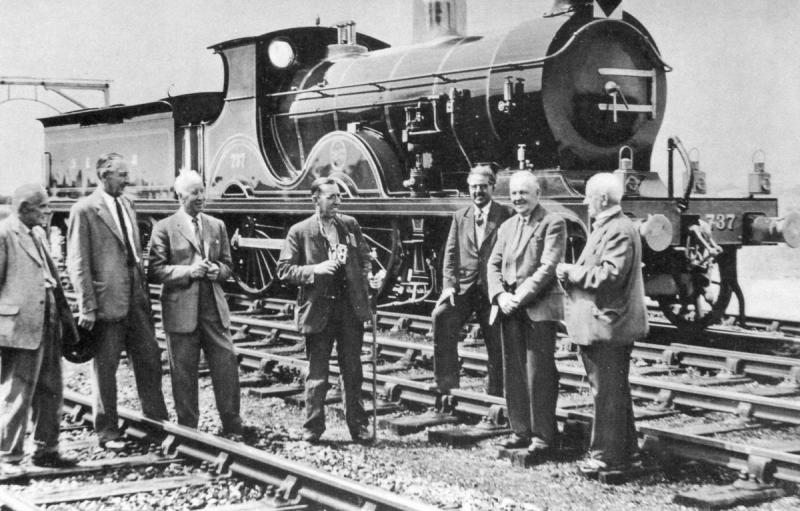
[{"x": 721, "y": 221}]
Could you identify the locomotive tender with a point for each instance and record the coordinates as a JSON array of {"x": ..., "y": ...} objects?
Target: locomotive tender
[{"x": 564, "y": 95}]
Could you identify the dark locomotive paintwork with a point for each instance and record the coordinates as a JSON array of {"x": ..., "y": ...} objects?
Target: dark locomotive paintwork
[{"x": 399, "y": 129}]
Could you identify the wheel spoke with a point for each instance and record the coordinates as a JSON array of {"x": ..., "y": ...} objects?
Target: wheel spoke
[{"x": 253, "y": 268}]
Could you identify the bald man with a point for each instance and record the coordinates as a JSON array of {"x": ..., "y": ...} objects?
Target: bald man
[
  {"x": 30, "y": 334},
  {"x": 607, "y": 314},
  {"x": 522, "y": 283},
  {"x": 190, "y": 255}
]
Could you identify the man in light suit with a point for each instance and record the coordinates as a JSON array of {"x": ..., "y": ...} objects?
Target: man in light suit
[
  {"x": 606, "y": 315},
  {"x": 105, "y": 267},
  {"x": 190, "y": 255},
  {"x": 472, "y": 235},
  {"x": 30, "y": 334},
  {"x": 327, "y": 257},
  {"x": 522, "y": 283}
]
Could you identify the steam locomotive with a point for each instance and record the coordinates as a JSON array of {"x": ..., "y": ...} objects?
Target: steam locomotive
[{"x": 563, "y": 96}]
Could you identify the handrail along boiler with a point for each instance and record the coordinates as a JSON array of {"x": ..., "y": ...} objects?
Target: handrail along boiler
[{"x": 565, "y": 95}]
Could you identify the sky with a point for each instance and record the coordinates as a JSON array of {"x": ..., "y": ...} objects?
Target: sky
[{"x": 732, "y": 91}]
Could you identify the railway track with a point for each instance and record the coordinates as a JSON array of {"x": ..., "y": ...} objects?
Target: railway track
[
  {"x": 260, "y": 347},
  {"x": 278, "y": 483},
  {"x": 267, "y": 341}
]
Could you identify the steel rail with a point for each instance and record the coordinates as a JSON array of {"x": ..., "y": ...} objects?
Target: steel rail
[
  {"x": 763, "y": 463},
  {"x": 662, "y": 392},
  {"x": 295, "y": 482},
  {"x": 14, "y": 502},
  {"x": 766, "y": 464},
  {"x": 755, "y": 329},
  {"x": 735, "y": 362}
]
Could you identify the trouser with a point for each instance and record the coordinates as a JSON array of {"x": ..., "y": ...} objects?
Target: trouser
[
  {"x": 31, "y": 380},
  {"x": 530, "y": 376},
  {"x": 613, "y": 429},
  {"x": 447, "y": 323},
  {"x": 136, "y": 335},
  {"x": 184, "y": 356},
  {"x": 348, "y": 332}
]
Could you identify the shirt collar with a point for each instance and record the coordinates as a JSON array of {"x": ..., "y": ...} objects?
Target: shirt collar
[
  {"x": 485, "y": 209},
  {"x": 186, "y": 216},
  {"x": 107, "y": 196},
  {"x": 604, "y": 215}
]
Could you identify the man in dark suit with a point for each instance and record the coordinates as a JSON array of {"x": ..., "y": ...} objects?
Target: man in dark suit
[
  {"x": 522, "y": 283},
  {"x": 472, "y": 235},
  {"x": 30, "y": 334},
  {"x": 327, "y": 257},
  {"x": 105, "y": 267},
  {"x": 190, "y": 255},
  {"x": 606, "y": 315}
]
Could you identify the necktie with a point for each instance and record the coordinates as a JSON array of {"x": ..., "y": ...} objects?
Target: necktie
[
  {"x": 516, "y": 247},
  {"x": 124, "y": 225},
  {"x": 480, "y": 229},
  {"x": 199, "y": 238}
]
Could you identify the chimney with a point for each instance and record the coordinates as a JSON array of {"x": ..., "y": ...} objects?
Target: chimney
[{"x": 439, "y": 18}]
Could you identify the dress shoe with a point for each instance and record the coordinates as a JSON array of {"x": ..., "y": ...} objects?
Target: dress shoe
[
  {"x": 593, "y": 466},
  {"x": 538, "y": 452},
  {"x": 311, "y": 437},
  {"x": 53, "y": 460},
  {"x": 515, "y": 442},
  {"x": 361, "y": 435},
  {"x": 113, "y": 445},
  {"x": 238, "y": 428}
]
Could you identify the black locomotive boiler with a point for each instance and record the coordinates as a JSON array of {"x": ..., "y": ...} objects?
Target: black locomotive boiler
[{"x": 564, "y": 95}]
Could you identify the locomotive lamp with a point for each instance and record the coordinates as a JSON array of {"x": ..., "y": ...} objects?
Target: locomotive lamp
[
  {"x": 759, "y": 181},
  {"x": 698, "y": 176},
  {"x": 629, "y": 178},
  {"x": 636, "y": 183}
]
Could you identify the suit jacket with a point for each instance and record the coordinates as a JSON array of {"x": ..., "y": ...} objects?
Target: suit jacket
[
  {"x": 173, "y": 249},
  {"x": 464, "y": 261},
  {"x": 96, "y": 257},
  {"x": 605, "y": 286},
  {"x": 530, "y": 266},
  {"x": 306, "y": 246},
  {"x": 22, "y": 286}
]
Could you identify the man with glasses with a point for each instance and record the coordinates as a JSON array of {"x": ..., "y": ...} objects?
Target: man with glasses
[
  {"x": 473, "y": 231},
  {"x": 105, "y": 267},
  {"x": 327, "y": 257}
]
